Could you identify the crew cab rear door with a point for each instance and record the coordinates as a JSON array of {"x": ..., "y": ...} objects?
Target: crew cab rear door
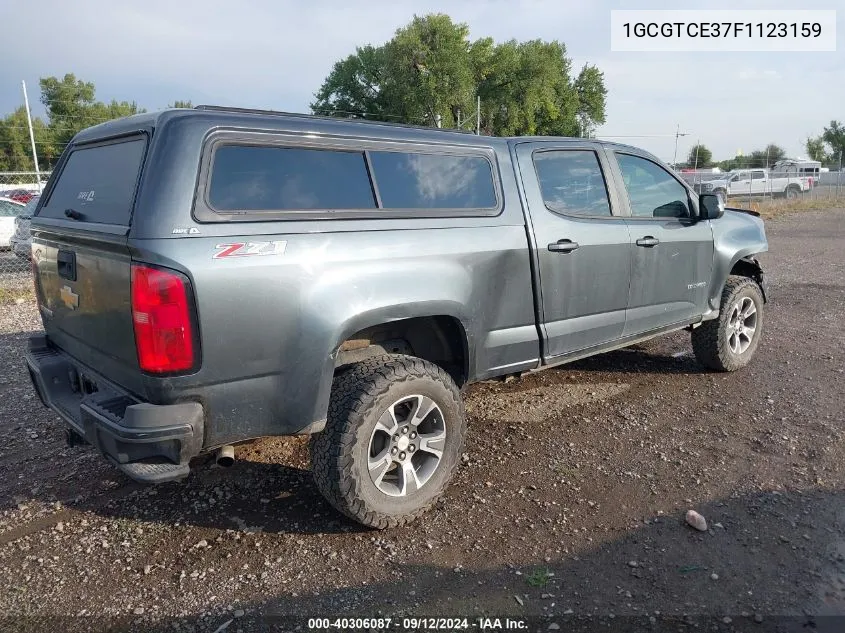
[
  {"x": 760, "y": 183},
  {"x": 80, "y": 255},
  {"x": 582, "y": 244}
]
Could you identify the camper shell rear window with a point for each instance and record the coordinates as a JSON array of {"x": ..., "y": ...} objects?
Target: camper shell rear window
[{"x": 97, "y": 182}]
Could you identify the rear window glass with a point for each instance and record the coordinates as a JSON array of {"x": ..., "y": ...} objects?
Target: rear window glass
[
  {"x": 251, "y": 178},
  {"x": 433, "y": 181},
  {"x": 98, "y": 182}
]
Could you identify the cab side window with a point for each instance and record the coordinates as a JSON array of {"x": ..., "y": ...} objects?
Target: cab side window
[
  {"x": 652, "y": 191},
  {"x": 572, "y": 182}
]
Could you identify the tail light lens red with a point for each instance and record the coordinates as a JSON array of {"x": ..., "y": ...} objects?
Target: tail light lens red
[{"x": 164, "y": 336}]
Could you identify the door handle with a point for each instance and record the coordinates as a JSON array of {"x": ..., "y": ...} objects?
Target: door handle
[
  {"x": 648, "y": 241},
  {"x": 563, "y": 246}
]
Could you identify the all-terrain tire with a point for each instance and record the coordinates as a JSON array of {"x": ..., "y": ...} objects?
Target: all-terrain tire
[
  {"x": 339, "y": 454},
  {"x": 711, "y": 340}
]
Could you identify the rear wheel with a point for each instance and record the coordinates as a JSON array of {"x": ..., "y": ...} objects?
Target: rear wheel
[
  {"x": 728, "y": 342},
  {"x": 392, "y": 441},
  {"x": 792, "y": 192}
]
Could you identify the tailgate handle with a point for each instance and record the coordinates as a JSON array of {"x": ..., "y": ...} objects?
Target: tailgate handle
[{"x": 66, "y": 262}]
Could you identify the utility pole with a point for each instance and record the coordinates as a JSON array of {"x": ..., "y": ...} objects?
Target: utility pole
[
  {"x": 478, "y": 122},
  {"x": 31, "y": 136},
  {"x": 462, "y": 122},
  {"x": 678, "y": 134}
]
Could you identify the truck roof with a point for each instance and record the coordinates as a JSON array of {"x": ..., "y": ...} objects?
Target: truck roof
[{"x": 275, "y": 120}]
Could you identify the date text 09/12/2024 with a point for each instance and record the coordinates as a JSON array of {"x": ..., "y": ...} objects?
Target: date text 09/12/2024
[{"x": 418, "y": 624}]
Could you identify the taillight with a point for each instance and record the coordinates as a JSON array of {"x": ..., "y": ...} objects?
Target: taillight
[{"x": 163, "y": 331}]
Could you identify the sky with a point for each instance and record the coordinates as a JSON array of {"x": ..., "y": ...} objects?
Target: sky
[{"x": 275, "y": 54}]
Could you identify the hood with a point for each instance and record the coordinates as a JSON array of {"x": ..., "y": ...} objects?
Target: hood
[{"x": 738, "y": 210}]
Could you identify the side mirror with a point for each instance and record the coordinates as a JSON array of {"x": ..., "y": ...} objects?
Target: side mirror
[{"x": 710, "y": 207}]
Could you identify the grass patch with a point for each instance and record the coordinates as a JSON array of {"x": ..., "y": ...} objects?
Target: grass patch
[
  {"x": 770, "y": 208},
  {"x": 16, "y": 295},
  {"x": 539, "y": 578}
]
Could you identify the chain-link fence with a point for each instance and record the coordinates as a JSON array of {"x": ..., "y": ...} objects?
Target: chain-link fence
[
  {"x": 763, "y": 186},
  {"x": 19, "y": 193}
]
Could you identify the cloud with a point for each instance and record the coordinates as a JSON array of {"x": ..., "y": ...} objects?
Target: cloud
[{"x": 751, "y": 74}]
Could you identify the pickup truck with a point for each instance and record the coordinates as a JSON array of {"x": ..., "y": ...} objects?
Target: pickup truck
[
  {"x": 210, "y": 276},
  {"x": 755, "y": 182}
]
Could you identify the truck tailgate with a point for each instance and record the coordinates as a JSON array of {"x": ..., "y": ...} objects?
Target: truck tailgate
[{"x": 83, "y": 288}]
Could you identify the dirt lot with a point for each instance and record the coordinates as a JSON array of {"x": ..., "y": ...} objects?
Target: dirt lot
[{"x": 572, "y": 507}]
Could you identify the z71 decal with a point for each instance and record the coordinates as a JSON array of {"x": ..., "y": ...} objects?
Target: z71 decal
[{"x": 244, "y": 249}]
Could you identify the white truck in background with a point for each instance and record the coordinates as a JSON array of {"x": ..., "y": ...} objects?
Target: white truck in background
[{"x": 755, "y": 182}]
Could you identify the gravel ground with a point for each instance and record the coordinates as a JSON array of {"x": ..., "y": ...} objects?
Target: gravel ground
[{"x": 573, "y": 507}]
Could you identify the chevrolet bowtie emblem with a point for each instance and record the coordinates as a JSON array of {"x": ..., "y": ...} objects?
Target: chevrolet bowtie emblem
[{"x": 69, "y": 297}]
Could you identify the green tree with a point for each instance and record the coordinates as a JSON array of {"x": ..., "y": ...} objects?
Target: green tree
[
  {"x": 817, "y": 149},
  {"x": 71, "y": 107},
  {"x": 528, "y": 90},
  {"x": 592, "y": 99},
  {"x": 699, "y": 156},
  {"x": 16, "y": 147},
  {"x": 834, "y": 136},
  {"x": 354, "y": 86},
  {"x": 766, "y": 157},
  {"x": 180, "y": 104},
  {"x": 431, "y": 73}
]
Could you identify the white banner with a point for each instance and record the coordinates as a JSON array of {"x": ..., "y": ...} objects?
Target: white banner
[{"x": 723, "y": 30}]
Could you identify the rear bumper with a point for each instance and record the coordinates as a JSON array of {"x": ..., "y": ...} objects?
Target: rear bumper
[{"x": 150, "y": 443}]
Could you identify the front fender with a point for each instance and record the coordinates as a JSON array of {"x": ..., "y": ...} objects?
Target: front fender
[{"x": 736, "y": 237}]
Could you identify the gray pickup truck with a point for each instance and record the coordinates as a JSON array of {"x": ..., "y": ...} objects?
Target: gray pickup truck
[{"x": 210, "y": 276}]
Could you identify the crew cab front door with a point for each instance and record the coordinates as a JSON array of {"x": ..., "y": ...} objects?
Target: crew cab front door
[
  {"x": 740, "y": 183},
  {"x": 581, "y": 242},
  {"x": 672, "y": 251}
]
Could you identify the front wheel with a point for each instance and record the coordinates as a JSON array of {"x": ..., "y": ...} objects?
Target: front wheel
[
  {"x": 728, "y": 342},
  {"x": 392, "y": 441}
]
